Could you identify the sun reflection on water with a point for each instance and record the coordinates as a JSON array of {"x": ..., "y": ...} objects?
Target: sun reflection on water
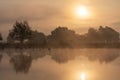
[{"x": 83, "y": 76}]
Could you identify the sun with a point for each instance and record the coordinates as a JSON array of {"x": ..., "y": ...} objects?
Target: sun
[{"x": 82, "y": 12}]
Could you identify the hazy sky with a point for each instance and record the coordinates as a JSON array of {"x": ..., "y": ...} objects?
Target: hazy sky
[{"x": 45, "y": 15}]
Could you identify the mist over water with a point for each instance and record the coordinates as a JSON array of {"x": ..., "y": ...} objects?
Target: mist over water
[
  {"x": 60, "y": 64},
  {"x": 59, "y": 40}
]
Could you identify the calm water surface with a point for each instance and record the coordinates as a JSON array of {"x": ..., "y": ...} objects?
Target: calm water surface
[{"x": 60, "y": 64}]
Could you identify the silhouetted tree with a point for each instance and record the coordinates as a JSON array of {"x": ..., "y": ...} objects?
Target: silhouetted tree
[
  {"x": 1, "y": 57},
  {"x": 21, "y": 31},
  {"x": 62, "y": 36},
  {"x": 108, "y": 34},
  {"x": 38, "y": 38},
  {"x": 92, "y": 35},
  {"x": 1, "y": 37}
]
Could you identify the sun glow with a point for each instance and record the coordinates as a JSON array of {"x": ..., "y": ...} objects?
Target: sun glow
[
  {"x": 83, "y": 76},
  {"x": 82, "y": 12}
]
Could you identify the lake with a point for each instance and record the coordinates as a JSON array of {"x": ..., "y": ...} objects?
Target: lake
[{"x": 60, "y": 64}]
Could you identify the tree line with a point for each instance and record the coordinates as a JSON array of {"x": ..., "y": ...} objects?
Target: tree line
[{"x": 21, "y": 33}]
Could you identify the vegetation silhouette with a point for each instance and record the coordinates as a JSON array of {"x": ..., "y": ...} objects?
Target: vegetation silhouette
[
  {"x": 1, "y": 37},
  {"x": 103, "y": 37},
  {"x": 38, "y": 39},
  {"x": 1, "y": 57},
  {"x": 20, "y": 32},
  {"x": 61, "y": 37}
]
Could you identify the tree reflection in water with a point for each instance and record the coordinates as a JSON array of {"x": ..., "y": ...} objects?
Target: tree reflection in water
[
  {"x": 21, "y": 62},
  {"x": 22, "y": 59},
  {"x": 104, "y": 58},
  {"x": 101, "y": 56}
]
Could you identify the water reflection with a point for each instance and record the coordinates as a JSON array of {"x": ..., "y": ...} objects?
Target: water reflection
[
  {"x": 1, "y": 57},
  {"x": 83, "y": 76},
  {"x": 101, "y": 56},
  {"x": 21, "y": 60}
]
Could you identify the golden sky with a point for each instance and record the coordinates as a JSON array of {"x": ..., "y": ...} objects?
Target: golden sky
[{"x": 45, "y": 15}]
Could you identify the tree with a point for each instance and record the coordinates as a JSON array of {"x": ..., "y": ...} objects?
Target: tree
[
  {"x": 62, "y": 37},
  {"x": 103, "y": 34},
  {"x": 108, "y": 34},
  {"x": 1, "y": 37},
  {"x": 21, "y": 31},
  {"x": 92, "y": 35},
  {"x": 38, "y": 38},
  {"x": 1, "y": 56}
]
